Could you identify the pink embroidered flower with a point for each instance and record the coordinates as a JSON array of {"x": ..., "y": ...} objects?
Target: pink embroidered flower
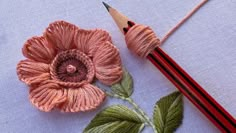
[{"x": 63, "y": 63}]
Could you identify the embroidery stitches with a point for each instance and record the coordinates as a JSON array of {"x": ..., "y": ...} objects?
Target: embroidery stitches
[
  {"x": 167, "y": 114},
  {"x": 62, "y": 64}
]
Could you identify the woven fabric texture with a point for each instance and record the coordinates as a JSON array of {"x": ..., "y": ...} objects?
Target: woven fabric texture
[{"x": 204, "y": 46}]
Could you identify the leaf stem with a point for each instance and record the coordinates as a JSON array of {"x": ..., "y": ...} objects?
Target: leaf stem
[{"x": 141, "y": 113}]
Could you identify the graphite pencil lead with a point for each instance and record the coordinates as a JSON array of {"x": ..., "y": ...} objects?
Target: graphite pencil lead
[
  {"x": 120, "y": 19},
  {"x": 106, "y": 5}
]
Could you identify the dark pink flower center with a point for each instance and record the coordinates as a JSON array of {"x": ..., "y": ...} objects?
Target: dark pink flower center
[
  {"x": 70, "y": 69},
  {"x": 72, "y": 66}
]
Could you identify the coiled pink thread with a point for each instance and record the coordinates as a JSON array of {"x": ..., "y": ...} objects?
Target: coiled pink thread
[{"x": 142, "y": 40}]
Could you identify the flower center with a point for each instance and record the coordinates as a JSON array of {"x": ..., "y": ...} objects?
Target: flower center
[
  {"x": 70, "y": 69},
  {"x": 73, "y": 67}
]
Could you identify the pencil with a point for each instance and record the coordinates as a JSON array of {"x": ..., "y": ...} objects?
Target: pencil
[{"x": 181, "y": 79}]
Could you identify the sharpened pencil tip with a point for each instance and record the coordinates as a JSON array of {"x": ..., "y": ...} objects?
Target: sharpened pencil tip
[{"x": 106, "y": 5}]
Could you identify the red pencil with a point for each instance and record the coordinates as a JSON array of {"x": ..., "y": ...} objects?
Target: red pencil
[{"x": 187, "y": 85}]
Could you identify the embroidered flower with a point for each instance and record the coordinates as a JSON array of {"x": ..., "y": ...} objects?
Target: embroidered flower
[{"x": 63, "y": 63}]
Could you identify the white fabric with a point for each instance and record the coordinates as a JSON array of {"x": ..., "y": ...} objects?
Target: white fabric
[{"x": 204, "y": 46}]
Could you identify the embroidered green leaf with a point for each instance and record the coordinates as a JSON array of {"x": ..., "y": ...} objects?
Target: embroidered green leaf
[
  {"x": 115, "y": 119},
  {"x": 125, "y": 87},
  {"x": 168, "y": 113}
]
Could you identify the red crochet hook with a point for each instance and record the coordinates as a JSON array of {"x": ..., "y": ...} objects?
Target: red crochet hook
[{"x": 183, "y": 81}]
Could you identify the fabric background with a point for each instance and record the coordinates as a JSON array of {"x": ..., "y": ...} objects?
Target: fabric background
[{"x": 204, "y": 46}]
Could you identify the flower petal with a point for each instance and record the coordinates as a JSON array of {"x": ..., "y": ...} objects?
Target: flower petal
[
  {"x": 47, "y": 96},
  {"x": 61, "y": 35},
  {"x": 32, "y": 72},
  {"x": 86, "y": 98},
  {"x": 38, "y": 49},
  {"x": 107, "y": 64},
  {"x": 88, "y": 41}
]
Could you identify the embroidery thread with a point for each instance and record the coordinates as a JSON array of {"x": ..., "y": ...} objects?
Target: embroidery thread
[
  {"x": 167, "y": 115},
  {"x": 60, "y": 70},
  {"x": 62, "y": 64}
]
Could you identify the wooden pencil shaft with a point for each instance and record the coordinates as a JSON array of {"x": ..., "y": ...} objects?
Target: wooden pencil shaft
[
  {"x": 189, "y": 87},
  {"x": 184, "y": 91},
  {"x": 206, "y": 104}
]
